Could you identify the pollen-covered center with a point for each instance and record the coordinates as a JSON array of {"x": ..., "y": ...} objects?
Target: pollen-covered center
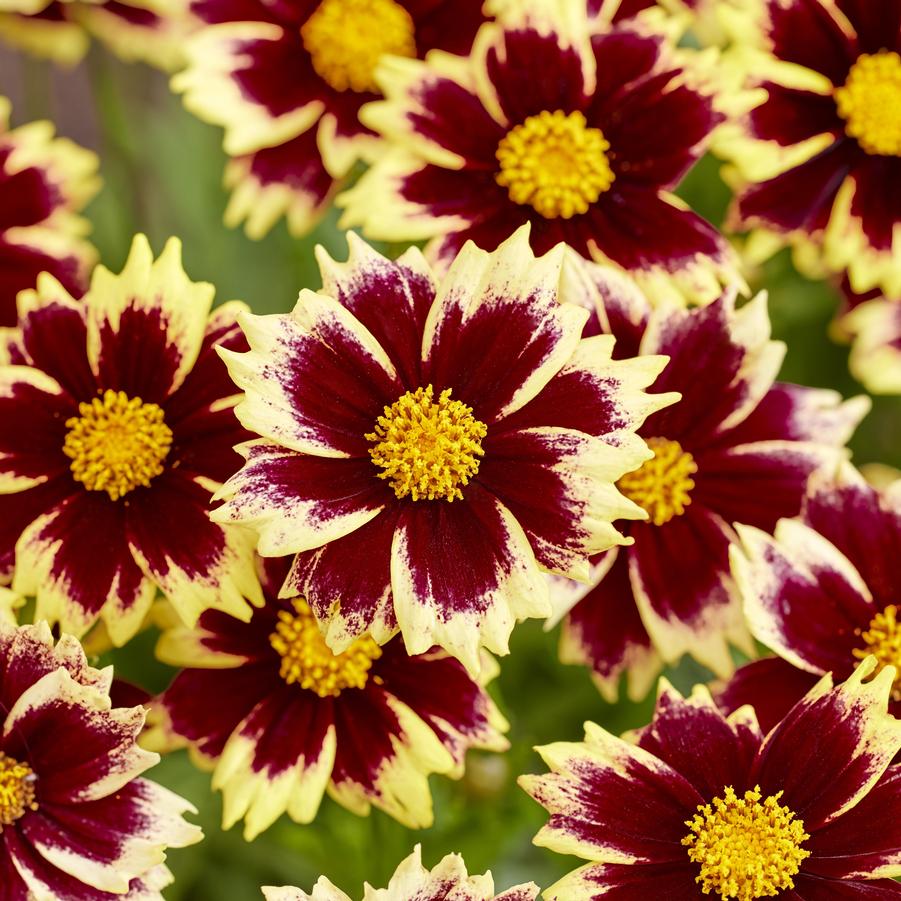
[
  {"x": 870, "y": 103},
  {"x": 427, "y": 449},
  {"x": 747, "y": 848},
  {"x": 17, "y": 795},
  {"x": 347, "y": 38},
  {"x": 555, "y": 163},
  {"x": 883, "y": 641},
  {"x": 310, "y": 662},
  {"x": 117, "y": 443},
  {"x": 662, "y": 485}
]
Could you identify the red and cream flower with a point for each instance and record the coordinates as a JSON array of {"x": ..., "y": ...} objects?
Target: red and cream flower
[
  {"x": 369, "y": 724},
  {"x": 150, "y": 31},
  {"x": 44, "y": 183},
  {"x": 737, "y": 448},
  {"x": 76, "y": 818},
  {"x": 822, "y": 592},
  {"x": 427, "y": 448},
  {"x": 580, "y": 130},
  {"x": 703, "y": 805},
  {"x": 819, "y": 156},
  {"x": 116, "y": 425},
  {"x": 873, "y": 325},
  {"x": 411, "y": 880},
  {"x": 286, "y": 81}
]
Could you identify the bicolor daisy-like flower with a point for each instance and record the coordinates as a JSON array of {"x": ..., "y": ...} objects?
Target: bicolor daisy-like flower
[
  {"x": 77, "y": 820},
  {"x": 150, "y": 31},
  {"x": 286, "y": 81},
  {"x": 700, "y": 805},
  {"x": 44, "y": 183},
  {"x": 819, "y": 158},
  {"x": 445, "y": 881},
  {"x": 873, "y": 325},
  {"x": 737, "y": 448},
  {"x": 116, "y": 424},
  {"x": 427, "y": 448},
  {"x": 369, "y": 724},
  {"x": 580, "y": 131},
  {"x": 822, "y": 592}
]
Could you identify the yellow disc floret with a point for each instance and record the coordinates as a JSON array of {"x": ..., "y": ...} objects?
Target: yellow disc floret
[
  {"x": 117, "y": 443},
  {"x": 870, "y": 103},
  {"x": 308, "y": 661},
  {"x": 555, "y": 163},
  {"x": 347, "y": 38},
  {"x": 883, "y": 641},
  {"x": 748, "y": 847},
  {"x": 427, "y": 449},
  {"x": 663, "y": 484},
  {"x": 17, "y": 795}
]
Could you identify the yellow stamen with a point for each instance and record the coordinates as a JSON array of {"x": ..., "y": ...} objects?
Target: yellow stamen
[
  {"x": 663, "y": 484},
  {"x": 17, "y": 794},
  {"x": 870, "y": 102},
  {"x": 117, "y": 443},
  {"x": 883, "y": 641},
  {"x": 347, "y": 38},
  {"x": 308, "y": 660},
  {"x": 427, "y": 449},
  {"x": 555, "y": 163},
  {"x": 747, "y": 848}
]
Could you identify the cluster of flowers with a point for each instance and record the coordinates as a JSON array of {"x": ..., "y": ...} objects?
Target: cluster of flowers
[{"x": 561, "y": 410}]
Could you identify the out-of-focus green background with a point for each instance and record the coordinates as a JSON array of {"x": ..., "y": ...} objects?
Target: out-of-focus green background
[{"x": 162, "y": 172}]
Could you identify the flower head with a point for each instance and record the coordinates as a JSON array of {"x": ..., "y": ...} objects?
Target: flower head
[
  {"x": 116, "y": 424},
  {"x": 821, "y": 145},
  {"x": 424, "y": 448},
  {"x": 76, "y": 818},
  {"x": 873, "y": 325},
  {"x": 702, "y": 805},
  {"x": 370, "y": 723}
]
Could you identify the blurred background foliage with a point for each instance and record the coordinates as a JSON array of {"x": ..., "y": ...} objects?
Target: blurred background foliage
[{"x": 162, "y": 172}]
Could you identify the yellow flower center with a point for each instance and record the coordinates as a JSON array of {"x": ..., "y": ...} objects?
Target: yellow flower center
[
  {"x": 747, "y": 847},
  {"x": 427, "y": 449},
  {"x": 308, "y": 660},
  {"x": 555, "y": 163},
  {"x": 117, "y": 443},
  {"x": 883, "y": 641},
  {"x": 870, "y": 103},
  {"x": 16, "y": 790},
  {"x": 663, "y": 484},
  {"x": 347, "y": 38}
]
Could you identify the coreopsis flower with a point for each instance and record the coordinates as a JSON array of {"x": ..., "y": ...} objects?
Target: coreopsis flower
[
  {"x": 370, "y": 724},
  {"x": 818, "y": 157},
  {"x": 446, "y": 880},
  {"x": 77, "y": 820},
  {"x": 873, "y": 325},
  {"x": 702, "y": 805},
  {"x": 116, "y": 424},
  {"x": 581, "y": 131},
  {"x": 148, "y": 31},
  {"x": 44, "y": 183},
  {"x": 822, "y": 592},
  {"x": 737, "y": 448},
  {"x": 286, "y": 81},
  {"x": 427, "y": 448}
]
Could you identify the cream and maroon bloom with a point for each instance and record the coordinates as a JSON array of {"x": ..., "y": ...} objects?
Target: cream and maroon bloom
[
  {"x": 737, "y": 448},
  {"x": 699, "y": 805},
  {"x": 822, "y": 592},
  {"x": 819, "y": 157},
  {"x": 116, "y": 425},
  {"x": 873, "y": 325},
  {"x": 44, "y": 183},
  {"x": 580, "y": 130},
  {"x": 280, "y": 718},
  {"x": 446, "y": 881},
  {"x": 77, "y": 821},
  {"x": 428, "y": 448},
  {"x": 287, "y": 80}
]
